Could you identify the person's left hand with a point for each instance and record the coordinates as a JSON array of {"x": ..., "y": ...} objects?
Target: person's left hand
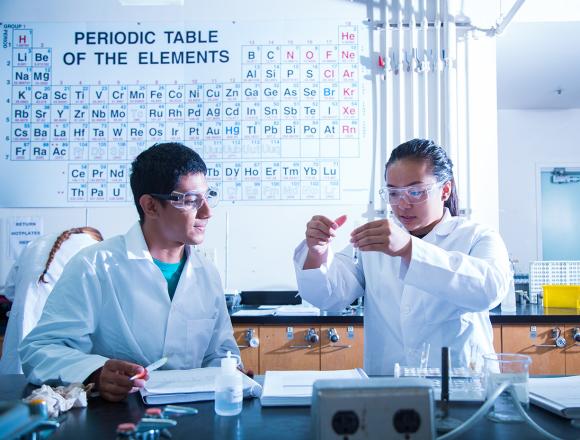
[{"x": 382, "y": 236}]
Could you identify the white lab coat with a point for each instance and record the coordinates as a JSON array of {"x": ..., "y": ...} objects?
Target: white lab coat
[
  {"x": 457, "y": 273},
  {"x": 28, "y": 296},
  {"x": 112, "y": 303}
]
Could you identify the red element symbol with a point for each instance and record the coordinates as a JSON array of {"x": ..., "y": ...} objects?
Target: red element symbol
[{"x": 381, "y": 62}]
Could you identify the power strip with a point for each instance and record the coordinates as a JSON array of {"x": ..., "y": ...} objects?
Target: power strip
[{"x": 393, "y": 408}]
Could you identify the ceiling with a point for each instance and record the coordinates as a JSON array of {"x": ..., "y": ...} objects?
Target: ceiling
[
  {"x": 538, "y": 66},
  {"x": 538, "y": 56}
]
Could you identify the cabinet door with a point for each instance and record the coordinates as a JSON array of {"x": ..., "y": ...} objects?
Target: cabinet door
[
  {"x": 497, "y": 338},
  {"x": 250, "y": 355},
  {"x": 344, "y": 354},
  {"x": 286, "y": 348},
  {"x": 572, "y": 350},
  {"x": 546, "y": 357}
]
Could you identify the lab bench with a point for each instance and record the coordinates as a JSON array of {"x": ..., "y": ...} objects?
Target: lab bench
[
  {"x": 100, "y": 419},
  {"x": 288, "y": 342}
]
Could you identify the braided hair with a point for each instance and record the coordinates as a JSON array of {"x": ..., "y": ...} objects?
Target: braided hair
[
  {"x": 94, "y": 233},
  {"x": 442, "y": 167}
]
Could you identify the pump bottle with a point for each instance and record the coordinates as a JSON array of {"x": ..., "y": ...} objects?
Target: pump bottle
[{"x": 229, "y": 388}]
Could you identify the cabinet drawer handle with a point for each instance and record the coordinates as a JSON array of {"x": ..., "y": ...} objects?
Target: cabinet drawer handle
[
  {"x": 301, "y": 346},
  {"x": 341, "y": 345},
  {"x": 244, "y": 346},
  {"x": 546, "y": 345}
]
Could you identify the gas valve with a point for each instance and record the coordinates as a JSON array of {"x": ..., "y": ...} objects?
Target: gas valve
[
  {"x": 253, "y": 340},
  {"x": 333, "y": 335},
  {"x": 559, "y": 340},
  {"x": 576, "y": 334},
  {"x": 311, "y": 336}
]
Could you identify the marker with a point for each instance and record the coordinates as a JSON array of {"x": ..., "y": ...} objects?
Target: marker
[{"x": 151, "y": 367}]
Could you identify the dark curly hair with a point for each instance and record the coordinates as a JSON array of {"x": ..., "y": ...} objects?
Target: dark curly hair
[{"x": 158, "y": 169}]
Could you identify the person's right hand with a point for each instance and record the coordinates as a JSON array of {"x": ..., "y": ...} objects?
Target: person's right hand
[
  {"x": 320, "y": 231},
  {"x": 113, "y": 379}
]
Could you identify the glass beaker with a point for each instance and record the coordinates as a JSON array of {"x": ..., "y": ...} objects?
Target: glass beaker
[
  {"x": 507, "y": 367},
  {"x": 418, "y": 360}
]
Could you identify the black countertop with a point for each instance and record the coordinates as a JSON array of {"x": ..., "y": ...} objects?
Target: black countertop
[
  {"x": 99, "y": 420},
  {"x": 529, "y": 313}
]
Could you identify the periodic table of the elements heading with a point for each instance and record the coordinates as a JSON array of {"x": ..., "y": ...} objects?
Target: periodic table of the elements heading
[{"x": 276, "y": 119}]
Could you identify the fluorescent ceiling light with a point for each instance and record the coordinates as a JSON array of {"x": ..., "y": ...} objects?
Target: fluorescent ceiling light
[{"x": 151, "y": 2}]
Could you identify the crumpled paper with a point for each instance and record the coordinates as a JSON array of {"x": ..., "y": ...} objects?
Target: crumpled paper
[{"x": 62, "y": 398}]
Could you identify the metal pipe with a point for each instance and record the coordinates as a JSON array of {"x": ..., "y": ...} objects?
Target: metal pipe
[{"x": 502, "y": 23}]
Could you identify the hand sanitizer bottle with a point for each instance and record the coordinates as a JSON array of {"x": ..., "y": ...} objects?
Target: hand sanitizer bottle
[{"x": 228, "y": 388}]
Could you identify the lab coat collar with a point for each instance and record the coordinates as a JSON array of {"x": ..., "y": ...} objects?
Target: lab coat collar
[
  {"x": 137, "y": 247},
  {"x": 446, "y": 226}
]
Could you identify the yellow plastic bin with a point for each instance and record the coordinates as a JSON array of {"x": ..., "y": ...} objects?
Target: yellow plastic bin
[{"x": 567, "y": 297}]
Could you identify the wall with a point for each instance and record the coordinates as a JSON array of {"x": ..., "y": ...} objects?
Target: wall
[
  {"x": 529, "y": 139},
  {"x": 253, "y": 244}
]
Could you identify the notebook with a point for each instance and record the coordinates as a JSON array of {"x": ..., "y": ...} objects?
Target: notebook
[
  {"x": 294, "y": 388},
  {"x": 180, "y": 386},
  {"x": 559, "y": 395}
]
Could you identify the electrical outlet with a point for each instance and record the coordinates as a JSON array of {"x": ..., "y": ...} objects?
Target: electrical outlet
[{"x": 373, "y": 408}]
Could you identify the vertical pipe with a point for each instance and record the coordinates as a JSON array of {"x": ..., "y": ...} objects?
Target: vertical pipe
[
  {"x": 424, "y": 89},
  {"x": 467, "y": 146},
  {"x": 437, "y": 72},
  {"x": 390, "y": 82},
  {"x": 387, "y": 147},
  {"x": 399, "y": 113},
  {"x": 227, "y": 251},
  {"x": 449, "y": 94},
  {"x": 414, "y": 127}
]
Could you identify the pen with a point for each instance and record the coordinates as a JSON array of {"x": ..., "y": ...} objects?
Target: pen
[{"x": 151, "y": 367}]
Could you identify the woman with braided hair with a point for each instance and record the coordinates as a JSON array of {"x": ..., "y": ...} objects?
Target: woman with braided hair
[{"x": 30, "y": 281}]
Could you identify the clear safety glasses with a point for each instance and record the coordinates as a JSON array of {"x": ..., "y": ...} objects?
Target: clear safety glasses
[
  {"x": 191, "y": 199},
  {"x": 413, "y": 195}
]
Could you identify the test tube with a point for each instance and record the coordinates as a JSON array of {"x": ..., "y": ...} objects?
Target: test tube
[{"x": 355, "y": 250}]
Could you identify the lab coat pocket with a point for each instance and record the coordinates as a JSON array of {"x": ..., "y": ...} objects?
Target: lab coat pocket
[{"x": 199, "y": 335}]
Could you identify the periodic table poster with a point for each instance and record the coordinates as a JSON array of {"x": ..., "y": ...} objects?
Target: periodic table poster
[{"x": 279, "y": 109}]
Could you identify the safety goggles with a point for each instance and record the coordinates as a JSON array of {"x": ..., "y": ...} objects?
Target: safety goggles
[
  {"x": 413, "y": 195},
  {"x": 191, "y": 199}
]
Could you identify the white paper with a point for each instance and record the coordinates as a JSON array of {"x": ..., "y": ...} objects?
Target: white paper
[
  {"x": 190, "y": 385},
  {"x": 295, "y": 387},
  {"x": 254, "y": 312},
  {"x": 21, "y": 231},
  {"x": 562, "y": 391},
  {"x": 297, "y": 310}
]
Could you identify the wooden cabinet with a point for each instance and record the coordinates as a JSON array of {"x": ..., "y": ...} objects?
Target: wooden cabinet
[
  {"x": 300, "y": 347},
  {"x": 286, "y": 347},
  {"x": 346, "y": 352},
  {"x": 289, "y": 348},
  {"x": 538, "y": 342},
  {"x": 497, "y": 338},
  {"x": 572, "y": 349},
  {"x": 246, "y": 337}
]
